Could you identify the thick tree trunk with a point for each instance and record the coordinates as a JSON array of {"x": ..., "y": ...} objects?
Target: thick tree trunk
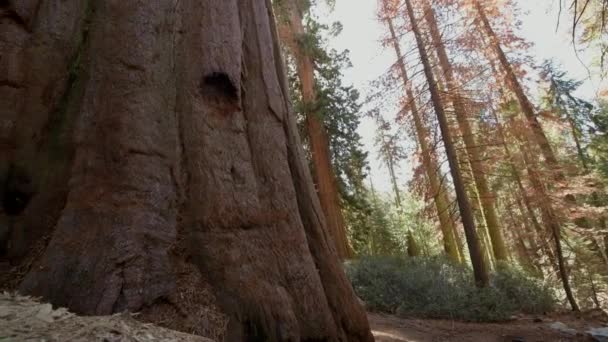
[
  {"x": 515, "y": 86},
  {"x": 437, "y": 188},
  {"x": 479, "y": 268},
  {"x": 473, "y": 149},
  {"x": 325, "y": 179},
  {"x": 154, "y": 144}
]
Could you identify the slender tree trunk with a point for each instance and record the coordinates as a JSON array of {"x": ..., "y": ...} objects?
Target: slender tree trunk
[
  {"x": 530, "y": 233},
  {"x": 473, "y": 149},
  {"x": 413, "y": 249},
  {"x": 479, "y": 268},
  {"x": 527, "y": 202},
  {"x": 515, "y": 86},
  {"x": 548, "y": 215},
  {"x": 325, "y": 179},
  {"x": 577, "y": 141},
  {"x": 594, "y": 297},
  {"x": 553, "y": 223},
  {"x": 582, "y": 156},
  {"x": 458, "y": 238},
  {"x": 166, "y": 170},
  {"x": 390, "y": 163},
  {"x": 525, "y": 255},
  {"x": 437, "y": 188}
]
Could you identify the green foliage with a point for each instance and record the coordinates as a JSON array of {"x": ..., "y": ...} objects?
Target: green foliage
[
  {"x": 341, "y": 115},
  {"x": 377, "y": 227},
  {"x": 525, "y": 291},
  {"x": 371, "y": 227},
  {"x": 599, "y": 140},
  {"x": 560, "y": 93},
  {"x": 588, "y": 274},
  {"x": 437, "y": 288},
  {"x": 338, "y": 106},
  {"x": 575, "y": 112}
]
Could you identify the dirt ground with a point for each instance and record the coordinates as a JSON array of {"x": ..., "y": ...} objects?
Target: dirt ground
[{"x": 388, "y": 328}]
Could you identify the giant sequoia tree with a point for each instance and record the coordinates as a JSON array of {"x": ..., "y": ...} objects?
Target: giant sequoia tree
[
  {"x": 295, "y": 36},
  {"x": 147, "y": 152}
]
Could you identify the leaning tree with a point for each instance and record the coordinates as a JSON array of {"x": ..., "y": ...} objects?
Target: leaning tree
[{"x": 149, "y": 162}]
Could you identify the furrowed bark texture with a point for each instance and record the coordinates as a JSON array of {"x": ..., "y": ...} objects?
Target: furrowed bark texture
[
  {"x": 292, "y": 32},
  {"x": 149, "y": 135}
]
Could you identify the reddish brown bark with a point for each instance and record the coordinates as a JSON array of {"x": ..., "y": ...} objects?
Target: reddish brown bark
[
  {"x": 154, "y": 143},
  {"x": 323, "y": 174}
]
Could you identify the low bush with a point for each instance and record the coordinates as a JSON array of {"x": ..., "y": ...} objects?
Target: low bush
[{"x": 437, "y": 288}]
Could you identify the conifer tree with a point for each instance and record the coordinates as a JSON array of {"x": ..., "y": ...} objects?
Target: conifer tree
[
  {"x": 474, "y": 149},
  {"x": 468, "y": 221},
  {"x": 514, "y": 85},
  {"x": 301, "y": 43},
  {"x": 437, "y": 187}
]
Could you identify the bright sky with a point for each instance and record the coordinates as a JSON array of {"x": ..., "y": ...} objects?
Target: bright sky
[{"x": 361, "y": 36}]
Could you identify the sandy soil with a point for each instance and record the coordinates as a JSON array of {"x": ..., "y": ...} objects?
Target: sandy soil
[{"x": 388, "y": 328}]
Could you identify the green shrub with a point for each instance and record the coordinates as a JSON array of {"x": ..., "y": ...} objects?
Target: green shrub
[
  {"x": 437, "y": 288},
  {"x": 527, "y": 294}
]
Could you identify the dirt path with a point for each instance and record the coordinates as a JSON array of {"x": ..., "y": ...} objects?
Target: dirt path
[{"x": 392, "y": 329}]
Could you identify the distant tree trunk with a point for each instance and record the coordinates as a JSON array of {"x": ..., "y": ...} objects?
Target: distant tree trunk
[
  {"x": 523, "y": 149},
  {"x": 412, "y": 246},
  {"x": 292, "y": 31},
  {"x": 546, "y": 207},
  {"x": 515, "y": 86},
  {"x": 576, "y": 136},
  {"x": 525, "y": 198},
  {"x": 479, "y": 268},
  {"x": 474, "y": 150},
  {"x": 531, "y": 234},
  {"x": 553, "y": 223},
  {"x": 437, "y": 188},
  {"x": 163, "y": 171},
  {"x": 390, "y": 163},
  {"x": 482, "y": 231},
  {"x": 524, "y": 253},
  {"x": 413, "y": 250}
]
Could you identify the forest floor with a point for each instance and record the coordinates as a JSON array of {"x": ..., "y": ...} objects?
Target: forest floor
[
  {"x": 24, "y": 319},
  {"x": 388, "y": 328}
]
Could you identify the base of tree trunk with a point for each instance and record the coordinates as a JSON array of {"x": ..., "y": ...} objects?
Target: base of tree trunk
[{"x": 152, "y": 165}]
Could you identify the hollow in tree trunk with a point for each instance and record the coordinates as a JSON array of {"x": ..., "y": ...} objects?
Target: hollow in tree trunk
[{"x": 153, "y": 148}]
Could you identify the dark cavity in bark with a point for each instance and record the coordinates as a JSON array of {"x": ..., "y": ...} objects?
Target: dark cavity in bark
[
  {"x": 17, "y": 191},
  {"x": 218, "y": 84}
]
